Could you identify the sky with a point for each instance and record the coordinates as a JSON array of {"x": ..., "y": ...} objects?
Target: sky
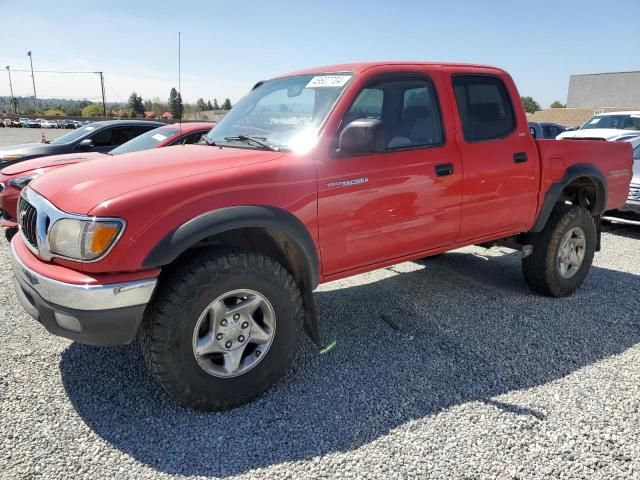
[{"x": 227, "y": 46}]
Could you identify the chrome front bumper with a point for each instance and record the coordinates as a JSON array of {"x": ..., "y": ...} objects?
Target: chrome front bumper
[{"x": 96, "y": 314}]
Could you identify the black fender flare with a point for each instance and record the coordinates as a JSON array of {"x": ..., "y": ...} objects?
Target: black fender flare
[
  {"x": 208, "y": 224},
  {"x": 579, "y": 170}
]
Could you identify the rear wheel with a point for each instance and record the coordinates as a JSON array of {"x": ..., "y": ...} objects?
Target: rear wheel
[
  {"x": 562, "y": 252},
  {"x": 222, "y": 328}
]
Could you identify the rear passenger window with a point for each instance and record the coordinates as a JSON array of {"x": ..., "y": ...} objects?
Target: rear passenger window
[
  {"x": 407, "y": 108},
  {"x": 484, "y": 106}
]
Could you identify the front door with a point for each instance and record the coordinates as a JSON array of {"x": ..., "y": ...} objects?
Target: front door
[{"x": 401, "y": 200}]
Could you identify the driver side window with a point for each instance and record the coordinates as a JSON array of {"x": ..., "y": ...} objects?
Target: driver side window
[{"x": 407, "y": 108}]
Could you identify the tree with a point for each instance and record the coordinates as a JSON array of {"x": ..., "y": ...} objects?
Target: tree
[
  {"x": 209, "y": 106},
  {"x": 201, "y": 104},
  {"x": 558, "y": 104},
  {"x": 93, "y": 110},
  {"x": 148, "y": 106},
  {"x": 215, "y": 104},
  {"x": 176, "y": 108},
  {"x": 227, "y": 104},
  {"x": 135, "y": 104},
  {"x": 54, "y": 112},
  {"x": 530, "y": 105}
]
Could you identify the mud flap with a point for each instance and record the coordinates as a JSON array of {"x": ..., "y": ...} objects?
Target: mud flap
[{"x": 310, "y": 318}]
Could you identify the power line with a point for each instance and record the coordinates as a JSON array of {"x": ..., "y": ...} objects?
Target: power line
[{"x": 50, "y": 71}]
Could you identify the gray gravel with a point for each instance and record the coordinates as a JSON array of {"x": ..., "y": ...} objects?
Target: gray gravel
[{"x": 448, "y": 368}]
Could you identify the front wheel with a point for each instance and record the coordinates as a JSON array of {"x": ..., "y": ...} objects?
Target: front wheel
[
  {"x": 562, "y": 253},
  {"x": 9, "y": 233},
  {"x": 222, "y": 328}
]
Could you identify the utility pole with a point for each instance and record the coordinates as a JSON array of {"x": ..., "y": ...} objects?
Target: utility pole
[
  {"x": 35, "y": 97},
  {"x": 13, "y": 100},
  {"x": 104, "y": 103}
]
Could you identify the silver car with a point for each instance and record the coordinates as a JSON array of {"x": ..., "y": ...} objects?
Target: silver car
[{"x": 630, "y": 213}]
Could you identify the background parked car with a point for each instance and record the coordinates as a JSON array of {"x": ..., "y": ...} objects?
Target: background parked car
[
  {"x": 541, "y": 130},
  {"x": 24, "y": 122},
  {"x": 630, "y": 212},
  {"x": 608, "y": 126},
  {"x": 95, "y": 137},
  {"x": 15, "y": 177},
  {"x": 48, "y": 124},
  {"x": 34, "y": 123},
  {"x": 68, "y": 124}
]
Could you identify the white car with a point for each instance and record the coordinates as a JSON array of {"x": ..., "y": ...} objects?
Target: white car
[
  {"x": 607, "y": 126},
  {"x": 49, "y": 124},
  {"x": 630, "y": 212}
]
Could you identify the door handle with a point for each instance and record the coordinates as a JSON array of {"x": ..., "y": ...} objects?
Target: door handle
[
  {"x": 520, "y": 157},
  {"x": 444, "y": 169}
]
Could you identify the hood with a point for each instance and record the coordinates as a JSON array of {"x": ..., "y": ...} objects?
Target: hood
[
  {"x": 79, "y": 188},
  {"x": 29, "y": 150},
  {"x": 604, "y": 133},
  {"x": 49, "y": 161}
]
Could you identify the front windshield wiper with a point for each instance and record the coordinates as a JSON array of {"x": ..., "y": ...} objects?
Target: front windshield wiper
[
  {"x": 261, "y": 141},
  {"x": 206, "y": 141}
]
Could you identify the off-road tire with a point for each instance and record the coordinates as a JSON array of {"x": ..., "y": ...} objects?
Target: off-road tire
[
  {"x": 541, "y": 270},
  {"x": 183, "y": 293},
  {"x": 9, "y": 233}
]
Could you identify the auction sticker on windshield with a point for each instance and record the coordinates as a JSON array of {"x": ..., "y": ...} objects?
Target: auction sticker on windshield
[
  {"x": 328, "y": 81},
  {"x": 159, "y": 137}
]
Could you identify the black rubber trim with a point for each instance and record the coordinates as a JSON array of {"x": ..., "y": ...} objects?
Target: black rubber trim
[
  {"x": 578, "y": 170},
  {"x": 231, "y": 218},
  {"x": 117, "y": 326}
]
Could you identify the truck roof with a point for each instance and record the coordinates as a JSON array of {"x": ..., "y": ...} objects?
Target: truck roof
[{"x": 358, "y": 67}]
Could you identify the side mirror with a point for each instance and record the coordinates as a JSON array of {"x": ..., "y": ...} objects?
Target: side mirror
[
  {"x": 86, "y": 144},
  {"x": 361, "y": 136}
]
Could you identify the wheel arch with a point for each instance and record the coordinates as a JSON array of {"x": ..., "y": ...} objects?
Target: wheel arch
[
  {"x": 583, "y": 184},
  {"x": 261, "y": 229}
]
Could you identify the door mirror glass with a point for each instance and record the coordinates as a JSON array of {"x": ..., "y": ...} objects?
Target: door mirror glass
[
  {"x": 362, "y": 136},
  {"x": 86, "y": 144}
]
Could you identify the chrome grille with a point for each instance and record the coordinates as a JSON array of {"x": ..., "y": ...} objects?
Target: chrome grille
[{"x": 27, "y": 217}]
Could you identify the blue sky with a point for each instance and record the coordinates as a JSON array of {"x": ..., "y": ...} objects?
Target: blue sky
[{"x": 228, "y": 46}]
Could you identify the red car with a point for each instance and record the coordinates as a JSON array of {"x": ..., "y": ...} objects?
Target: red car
[
  {"x": 209, "y": 254},
  {"x": 14, "y": 178}
]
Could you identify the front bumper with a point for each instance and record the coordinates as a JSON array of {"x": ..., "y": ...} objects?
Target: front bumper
[{"x": 95, "y": 314}]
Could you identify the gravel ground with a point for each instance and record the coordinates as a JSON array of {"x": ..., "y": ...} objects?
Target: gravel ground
[
  {"x": 448, "y": 368},
  {"x": 15, "y": 136}
]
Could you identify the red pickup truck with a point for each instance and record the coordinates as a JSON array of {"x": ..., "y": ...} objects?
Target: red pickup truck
[{"x": 209, "y": 253}]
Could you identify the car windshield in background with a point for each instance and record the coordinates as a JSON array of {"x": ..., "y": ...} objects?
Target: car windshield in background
[
  {"x": 147, "y": 140},
  {"x": 619, "y": 122},
  {"x": 73, "y": 135},
  {"x": 284, "y": 113}
]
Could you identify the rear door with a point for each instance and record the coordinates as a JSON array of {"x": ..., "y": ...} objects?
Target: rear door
[{"x": 499, "y": 155}]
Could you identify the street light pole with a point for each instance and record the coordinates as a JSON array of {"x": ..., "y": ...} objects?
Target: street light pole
[
  {"x": 13, "y": 100},
  {"x": 32, "y": 77},
  {"x": 104, "y": 103}
]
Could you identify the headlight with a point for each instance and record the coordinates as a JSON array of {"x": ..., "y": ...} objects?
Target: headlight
[
  {"x": 10, "y": 158},
  {"x": 83, "y": 239},
  {"x": 21, "y": 182}
]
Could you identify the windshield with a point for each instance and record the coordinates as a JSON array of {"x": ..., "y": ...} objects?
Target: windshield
[
  {"x": 285, "y": 113},
  {"x": 147, "y": 140},
  {"x": 73, "y": 135},
  {"x": 619, "y": 122}
]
